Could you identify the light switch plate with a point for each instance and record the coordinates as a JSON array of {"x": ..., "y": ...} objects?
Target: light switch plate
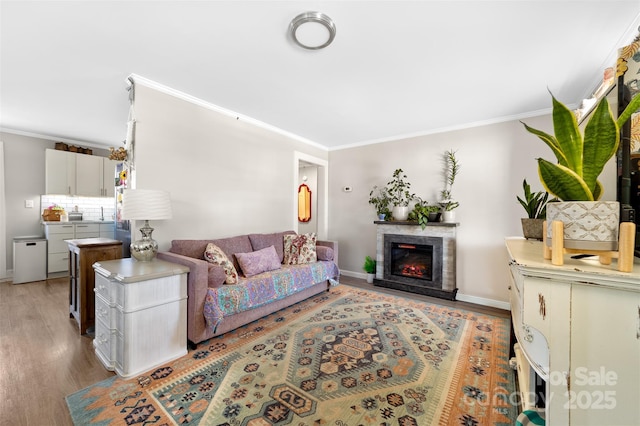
[{"x": 28, "y": 204}]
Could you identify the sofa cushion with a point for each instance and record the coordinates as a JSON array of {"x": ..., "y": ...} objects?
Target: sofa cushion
[
  {"x": 259, "y": 261},
  {"x": 215, "y": 255},
  {"x": 299, "y": 249},
  {"x": 233, "y": 245},
  {"x": 324, "y": 253},
  {"x": 260, "y": 241}
]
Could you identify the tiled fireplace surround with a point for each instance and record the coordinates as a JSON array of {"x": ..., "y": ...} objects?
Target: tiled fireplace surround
[{"x": 446, "y": 231}]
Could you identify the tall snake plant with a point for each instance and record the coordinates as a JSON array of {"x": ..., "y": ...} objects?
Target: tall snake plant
[{"x": 580, "y": 158}]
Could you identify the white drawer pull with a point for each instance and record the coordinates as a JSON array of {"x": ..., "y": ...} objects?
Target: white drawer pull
[
  {"x": 101, "y": 339},
  {"x": 102, "y": 312}
]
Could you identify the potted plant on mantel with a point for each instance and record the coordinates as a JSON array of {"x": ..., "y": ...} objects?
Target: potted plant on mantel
[
  {"x": 535, "y": 204},
  {"x": 423, "y": 213},
  {"x": 574, "y": 179},
  {"x": 379, "y": 198},
  {"x": 398, "y": 189},
  {"x": 451, "y": 170}
]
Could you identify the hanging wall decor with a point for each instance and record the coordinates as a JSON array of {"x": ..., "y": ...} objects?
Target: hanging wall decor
[{"x": 304, "y": 203}]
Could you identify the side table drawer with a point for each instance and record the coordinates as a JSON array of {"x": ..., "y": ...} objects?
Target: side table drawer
[
  {"x": 106, "y": 313},
  {"x": 105, "y": 343},
  {"x": 105, "y": 288}
]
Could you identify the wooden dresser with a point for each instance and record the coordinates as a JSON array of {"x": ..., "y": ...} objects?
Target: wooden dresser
[
  {"x": 578, "y": 326},
  {"x": 83, "y": 253}
]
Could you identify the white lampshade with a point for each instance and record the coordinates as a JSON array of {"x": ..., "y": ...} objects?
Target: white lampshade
[{"x": 146, "y": 204}]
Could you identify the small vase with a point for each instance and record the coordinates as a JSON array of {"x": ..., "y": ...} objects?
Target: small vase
[
  {"x": 381, "y": 216},
  {"x": 532, "y": 228},
  {"x": 449, "y": 216},
  {"x": 400, "y": 212}
]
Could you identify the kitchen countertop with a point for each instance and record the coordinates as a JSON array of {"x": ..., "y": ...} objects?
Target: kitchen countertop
[{"x": 57, "y": 222}]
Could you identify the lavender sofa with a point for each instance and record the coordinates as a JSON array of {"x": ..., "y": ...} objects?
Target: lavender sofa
[{"x": 214, "y": 308}]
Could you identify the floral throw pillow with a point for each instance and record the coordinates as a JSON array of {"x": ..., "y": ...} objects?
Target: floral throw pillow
[
  {"x": 299, "y": 249},
  {"x": 215, "y": 255}
]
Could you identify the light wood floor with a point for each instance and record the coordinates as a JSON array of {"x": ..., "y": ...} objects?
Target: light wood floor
[{"x": 43, "y": 357}]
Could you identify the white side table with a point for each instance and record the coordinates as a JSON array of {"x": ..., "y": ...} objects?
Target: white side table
[{"x": 141, "y": 314}]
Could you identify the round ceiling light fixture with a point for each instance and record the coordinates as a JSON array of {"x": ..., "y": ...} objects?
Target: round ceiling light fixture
[{"x": 312, "y": 30}]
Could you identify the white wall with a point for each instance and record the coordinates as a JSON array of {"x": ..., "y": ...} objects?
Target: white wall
[
  {"x": 226, "y": 176},
  {"x": 494, "y": 159}
]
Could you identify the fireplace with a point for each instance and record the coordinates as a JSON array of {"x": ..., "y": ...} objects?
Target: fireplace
[
  {"x": 417, "y": 260},
  {"x": 413, "y": 260}
]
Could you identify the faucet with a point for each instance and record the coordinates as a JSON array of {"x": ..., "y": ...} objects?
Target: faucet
[{"x": 101, "y": 213}]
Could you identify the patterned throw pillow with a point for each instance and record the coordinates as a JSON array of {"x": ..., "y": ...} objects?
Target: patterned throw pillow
[
  {"x": 299, "y": 249},
  {"x": 215, "y": 255},
  {"x": 259, "y": 261}
]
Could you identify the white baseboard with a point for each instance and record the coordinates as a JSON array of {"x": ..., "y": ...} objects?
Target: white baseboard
[
  {"x": 361, "y": 275},
  {"x": 483, "y": 301},
  {"x": 461, "y": 297}
]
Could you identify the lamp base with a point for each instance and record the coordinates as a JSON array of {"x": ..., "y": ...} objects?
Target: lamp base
[{"x": 146, "y": 249}]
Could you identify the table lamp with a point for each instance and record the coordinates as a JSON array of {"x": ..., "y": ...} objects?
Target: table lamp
[{"x": 145, "y": 204}]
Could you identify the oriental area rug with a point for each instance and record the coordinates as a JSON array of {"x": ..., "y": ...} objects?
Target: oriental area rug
[{"x": 346, "y": 357}]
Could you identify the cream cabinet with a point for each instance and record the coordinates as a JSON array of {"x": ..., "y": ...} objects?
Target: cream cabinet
[
  {"x": 141, "y": 314},
  {"x": 60, "y": 172},
  {"x": 89, "y": 175},
  {"x": 605, "y": 356},
  {"x": 57, "y": 233},
  {"x": 578, "y": 326},
  {"x": 57, "y": 247},
  {"x": 79, "y": 174},
  {"x": 86, "y": 230}
]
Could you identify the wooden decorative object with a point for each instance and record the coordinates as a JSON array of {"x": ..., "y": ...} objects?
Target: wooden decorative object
[
  {"x": 304, "y": 203},
  {"x": 626, "y": 244}
]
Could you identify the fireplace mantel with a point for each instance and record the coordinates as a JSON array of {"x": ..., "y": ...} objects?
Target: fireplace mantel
[{"x": 444, "y": 230}]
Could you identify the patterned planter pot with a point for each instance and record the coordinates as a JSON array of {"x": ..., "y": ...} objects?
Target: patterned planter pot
[{"x": 588, "y": 225}]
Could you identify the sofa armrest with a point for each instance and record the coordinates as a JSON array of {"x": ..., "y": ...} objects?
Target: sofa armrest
[
  {"x": 197, "y": 285},
  {"x": 333, "y": 245}
]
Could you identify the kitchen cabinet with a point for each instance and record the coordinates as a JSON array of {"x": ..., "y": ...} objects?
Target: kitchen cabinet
[
  {"x": 83, "y": 253},
  {"x": 60, "y": 172},
  {"x": 108, "y": 177},
  {"x": 79, "y": 174},
  {"x": 57, "y": 247},
  {"x": 88, "y": 175},
  {"x": 141, "y": 314},
  {"x": 58, "y": 232},
  {"x": 578, "y": 326},
  {"x": 86, "y": 230}
]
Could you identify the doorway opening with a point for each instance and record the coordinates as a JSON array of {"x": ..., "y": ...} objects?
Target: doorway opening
[{"x": 313, "y": 172}]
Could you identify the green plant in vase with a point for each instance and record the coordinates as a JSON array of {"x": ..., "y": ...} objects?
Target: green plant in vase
[
  {"x": 399, "y": 189},
  {"x": 535, "y": 205},
  {"x": 423, "y": 213},
  {"x": 379, "y": 198},
  {"x": 581, "y": 159},
  {"x": 370, "y": 268},
  {"x": 451, "y": 171}
]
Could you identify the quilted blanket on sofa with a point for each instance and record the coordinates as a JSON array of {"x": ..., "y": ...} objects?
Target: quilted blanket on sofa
[{"x": 264, "y": 288}]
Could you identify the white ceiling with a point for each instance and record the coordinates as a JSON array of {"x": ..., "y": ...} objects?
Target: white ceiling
[{"x": 396, "y": 68}]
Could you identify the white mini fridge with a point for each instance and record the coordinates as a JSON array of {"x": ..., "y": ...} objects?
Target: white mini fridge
[{"x": 29, "y": 259}]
